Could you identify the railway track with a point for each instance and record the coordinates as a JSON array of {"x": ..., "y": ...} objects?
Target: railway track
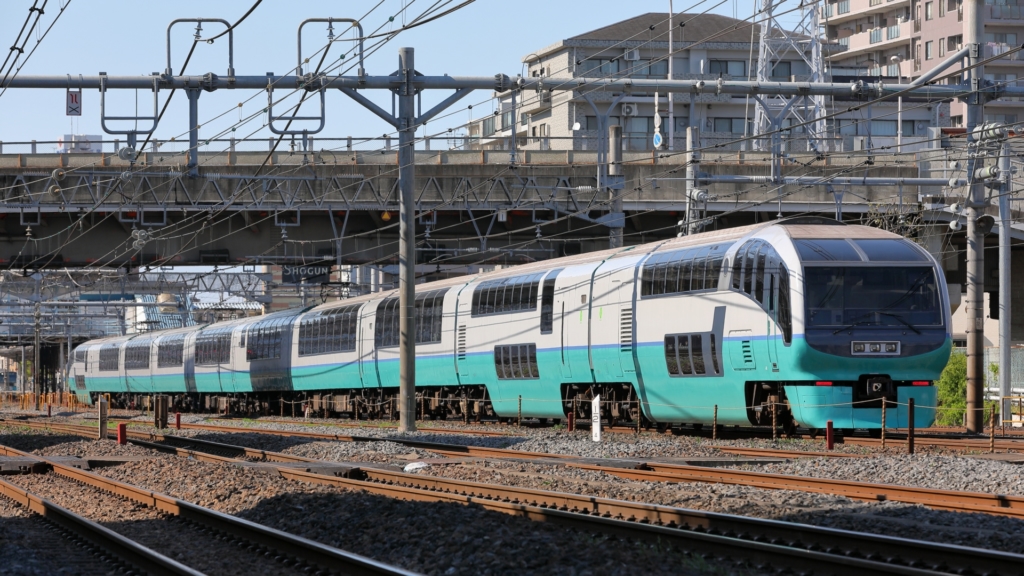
[
  {"x": 896, "y": 437},
  {"x": 654, "y": 471},
  {"x": 112, "y": 550},
  {"x": 775, "y": 542},
  {"x": 251, "y": 545}
]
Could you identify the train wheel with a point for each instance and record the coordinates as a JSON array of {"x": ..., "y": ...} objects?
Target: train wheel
[{"x": 875, "y": 432}]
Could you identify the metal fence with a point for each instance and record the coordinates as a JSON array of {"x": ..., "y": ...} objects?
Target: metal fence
[{"x": 992, "y": 391}]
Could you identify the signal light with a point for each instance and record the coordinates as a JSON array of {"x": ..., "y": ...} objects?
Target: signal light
[
  {"x": 823, "y": 383},
  {"x": 921, "y": 383}
]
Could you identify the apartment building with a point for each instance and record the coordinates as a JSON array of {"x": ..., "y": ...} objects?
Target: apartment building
[
  {"x": 906, "y": 38},
  {"x": 705, "y": 47}
]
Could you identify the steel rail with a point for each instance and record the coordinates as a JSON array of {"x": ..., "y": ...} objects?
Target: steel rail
[
  {"x": 303, "y": 548},
  {"x": 126, "y": 550},
  {"x": 851, "y": 544},
  {"x": 651, "y": 471}
]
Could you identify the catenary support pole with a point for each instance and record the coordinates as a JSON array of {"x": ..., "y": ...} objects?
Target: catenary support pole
[
  {"x": 193, "y": 131},
  {"x": 671, "y": 75},
  {"x": 407, "y": 243},
  {"x": 614, "y": 179},
  {"x": 973, "y": 34},
  {"x": 1005, "y": 219},
  {"x": 37, "y": 383}
]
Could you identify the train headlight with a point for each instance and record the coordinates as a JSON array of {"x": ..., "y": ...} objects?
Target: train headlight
[
  {"x": 890, "y": 347},
  {"x": 876, "y": 347},
  {"x": 858, "y": 347}
]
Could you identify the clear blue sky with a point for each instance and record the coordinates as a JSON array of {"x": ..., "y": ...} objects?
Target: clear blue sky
[{"x": 128, "y": 37}]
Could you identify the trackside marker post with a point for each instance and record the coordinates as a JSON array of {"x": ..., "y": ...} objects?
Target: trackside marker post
[
  {"x": 910, "y": 425},
  {"x": 595, "y": 419},
  {"x": 830, "y": 436},
  {"x": 122, "y": 433}
]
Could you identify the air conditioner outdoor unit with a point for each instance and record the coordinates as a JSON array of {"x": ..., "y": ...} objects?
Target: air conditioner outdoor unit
[
  {"x": 632, "y": 55},
  {"x": 630, "y": 110}
]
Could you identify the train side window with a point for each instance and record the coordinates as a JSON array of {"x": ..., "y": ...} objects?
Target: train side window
[
  {"x": 547, "y": 303},
  {"x": 697, "y": 352},
  {"x": 748, "y": 269},
  {"x": 737, "y": 268},
  {"x": 685, "y": 367},
  {"x": 685, "y": 274},
  {"x": 771, "y": 292},
  {"x": 785, "y": 318},
  {"x": 714, "y": 271},
  {"x": 714, "y": 354},
  {"x": 759, "y": 275},
  {"x": 699, "y": 265},
  {"x": 516, "y": 361},
  {"x": 670, "y": 356}
]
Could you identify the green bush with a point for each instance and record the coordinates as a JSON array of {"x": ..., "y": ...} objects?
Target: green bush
[{"x": 953, "y": 391}]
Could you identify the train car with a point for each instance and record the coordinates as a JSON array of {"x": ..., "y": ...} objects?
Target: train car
[{"x": 799, "y": 321}]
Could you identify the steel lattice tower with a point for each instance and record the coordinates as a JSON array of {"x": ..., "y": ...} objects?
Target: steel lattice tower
[{"x": 800, "y": 44}]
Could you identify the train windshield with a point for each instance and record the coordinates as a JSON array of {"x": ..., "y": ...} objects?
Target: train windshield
[{"x": 841, "y": 297}]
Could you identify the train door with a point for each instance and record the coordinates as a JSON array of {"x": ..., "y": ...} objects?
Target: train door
[
  {"x": 562, "y": 310},
  {"x": 365, "y": 347},
  {"x": 576, "y": 326},
  {"x": 603, "y": 314}
]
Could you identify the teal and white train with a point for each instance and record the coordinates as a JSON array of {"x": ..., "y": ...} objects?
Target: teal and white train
[{"x": 818, "y": 320}]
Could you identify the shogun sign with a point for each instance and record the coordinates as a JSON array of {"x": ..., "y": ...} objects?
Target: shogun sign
[{"x": 311, "y": 273}]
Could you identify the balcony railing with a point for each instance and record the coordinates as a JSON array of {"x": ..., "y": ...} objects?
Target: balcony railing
[
  {"x": 876, "y": 35},
  {"x": 917, "y": 64},
  {"x": 892, "y": 32},
  {"x": 997, "y": 48},
  {"x": 917, "y": 25},
  {"x": 998, "y": 12}
]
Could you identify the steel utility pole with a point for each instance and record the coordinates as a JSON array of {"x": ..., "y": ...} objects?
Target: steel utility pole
[
  {"x": 671, "y": 96},
  {"x": 974, "y": 31},
  {"x": 615, "y": 185},
  {"x": 1005, "y": 276},
  {"x": 407, "y": 234},
  {"x": 37, "y": 384}
]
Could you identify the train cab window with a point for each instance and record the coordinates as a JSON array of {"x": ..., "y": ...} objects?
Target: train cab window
[
  {"x": 547, "y": 303},
  {"x": 890, "y": 250},
  {"x": 759, "y": 273},
  {"x": 80, "y": 355}
]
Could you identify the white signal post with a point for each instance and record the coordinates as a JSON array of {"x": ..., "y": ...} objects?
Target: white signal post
[{"x": 595, "y": 419}]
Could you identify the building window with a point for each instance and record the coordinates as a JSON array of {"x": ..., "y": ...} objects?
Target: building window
[
  {"x": 488, "y": 127},
  {"x": 110, "y": 358},
  {"x": 169, "y": 351},
  {"x": 1001, "y": 118},
  {"x": 601, "y": 67},
  {"x": 508, "y": 119},
  {"x": 928, "y": 46},
  {"x": 928, "y": 10},
  {"x": 942, "y": 47},
  {"x": 516, "y": 362},
  {"x": 782, "y": 70},
  {"x": 942, "y": 8},
  {"x": 733, "y": 125},
  {"x": 956, "y": 121},
  {"x": 728, "y": 67},
  {"x": 954, "y": 43}
]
